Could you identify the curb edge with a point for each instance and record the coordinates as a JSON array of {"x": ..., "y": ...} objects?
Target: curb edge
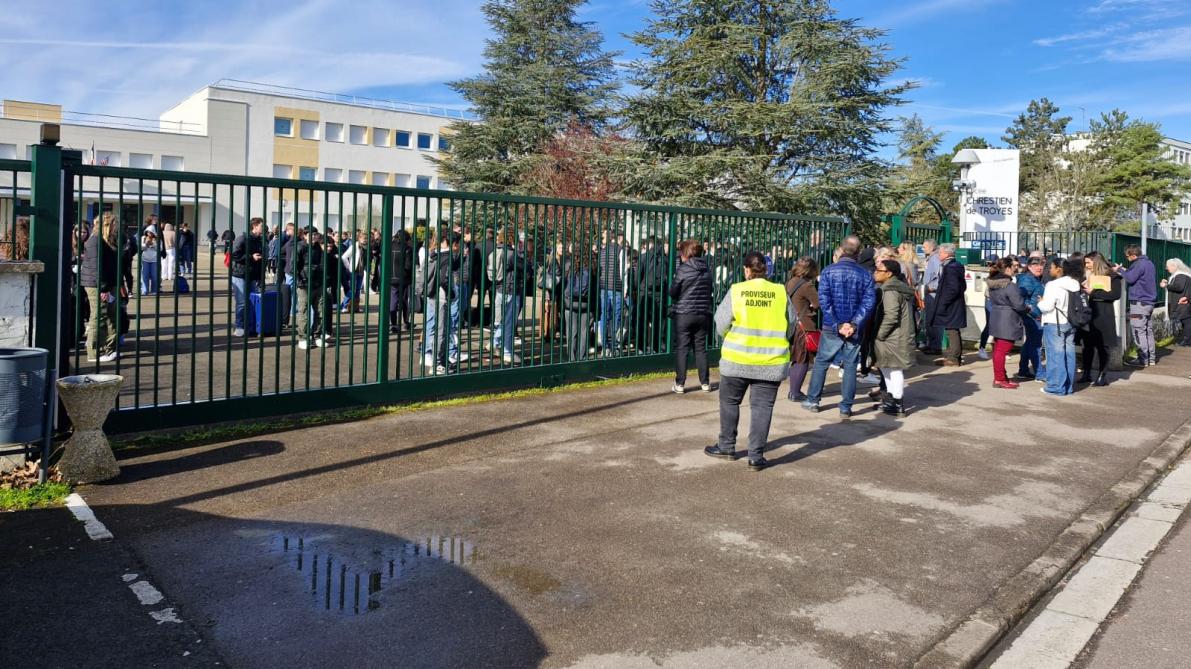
[{"x": 969, "y": 641}]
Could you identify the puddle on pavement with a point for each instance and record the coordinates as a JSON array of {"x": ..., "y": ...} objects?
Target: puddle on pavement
[{"x": 336, "y": 584}]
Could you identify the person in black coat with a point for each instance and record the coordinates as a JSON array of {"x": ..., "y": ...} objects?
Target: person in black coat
[
  {"x": 1101, "y": 334},
  {"x": 1178, "y": 297},
  {"x": 401, "y": 272},
  {"x": 949, "y": 312},
  {"x": 692, "y": 294}
]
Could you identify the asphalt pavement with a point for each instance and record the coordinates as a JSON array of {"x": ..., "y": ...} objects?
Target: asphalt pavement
[{"x": 587, "y": 528}]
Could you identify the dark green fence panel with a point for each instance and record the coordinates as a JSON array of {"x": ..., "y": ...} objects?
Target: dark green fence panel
[{"x": 381, "y": 294}]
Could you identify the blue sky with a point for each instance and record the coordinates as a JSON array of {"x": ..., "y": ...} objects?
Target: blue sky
[{"x": 978, "y": 61}]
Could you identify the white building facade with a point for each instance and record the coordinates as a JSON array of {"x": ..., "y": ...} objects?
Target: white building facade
[{"x": 243, "y": 129}]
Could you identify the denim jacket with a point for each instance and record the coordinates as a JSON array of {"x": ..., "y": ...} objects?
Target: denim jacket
[{"x": 1031, "y": 291}]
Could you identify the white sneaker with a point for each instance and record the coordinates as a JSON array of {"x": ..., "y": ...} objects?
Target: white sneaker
[
  {"x": 428, "y": 360},
  {"x": 869, "y": 380},
  {"x": 320, "y": 342},
  {"x": 463, "y": 357},
  {"x": 303, "y": 344},
  {"x": 327, "y": 339},
  {"x": 109, "y": 357},
  {"x": 511, "y": 359},
  {"x": 706, "y": 387},
  {"x": 677, "y": 389},
  {"x": 441, "y": 369},
  {"x": 238, "y": 332},
  {"x": 982, "y": 354}
]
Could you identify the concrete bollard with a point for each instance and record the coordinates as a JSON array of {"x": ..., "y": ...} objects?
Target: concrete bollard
[{"x": 88, "y": 398}]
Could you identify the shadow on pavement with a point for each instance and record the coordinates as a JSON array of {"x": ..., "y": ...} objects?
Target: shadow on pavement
[{"x": 232, "y": 453}]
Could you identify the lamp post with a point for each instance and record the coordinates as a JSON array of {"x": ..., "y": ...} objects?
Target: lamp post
[{"x": 965, "y": 158}]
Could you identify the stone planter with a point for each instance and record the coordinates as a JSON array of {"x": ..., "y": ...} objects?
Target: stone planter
[{"x": 88, "y": 399}]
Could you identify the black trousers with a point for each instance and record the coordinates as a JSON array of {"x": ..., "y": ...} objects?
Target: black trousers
[
  {"x": 1186, "y": 340},
  {"x": 690, "y": 333},
  {"x": 761, "y": 399},
  {"x": 1093, "y": 346}
]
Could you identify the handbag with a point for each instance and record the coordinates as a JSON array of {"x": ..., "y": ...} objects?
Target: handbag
[{"x": 810, "y": 339}]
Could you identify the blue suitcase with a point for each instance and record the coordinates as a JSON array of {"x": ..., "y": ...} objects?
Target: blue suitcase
[{"x": 262, "y": 312}]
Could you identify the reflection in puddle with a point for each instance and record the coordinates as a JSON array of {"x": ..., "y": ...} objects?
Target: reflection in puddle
[{"x": 336, "y": 586}]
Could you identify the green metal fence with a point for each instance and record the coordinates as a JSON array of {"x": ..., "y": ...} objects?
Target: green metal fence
[
  {"x": 14, "y": 197},
  {"x": 584, "y": 284}
]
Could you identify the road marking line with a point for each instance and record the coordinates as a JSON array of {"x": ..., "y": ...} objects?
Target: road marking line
[
  {"x": 1073, "y": 616},
  {"x": 95, "y": 529},
  {"x": 146, "y": 593}
]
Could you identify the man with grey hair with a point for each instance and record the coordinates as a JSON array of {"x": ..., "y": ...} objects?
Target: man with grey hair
[
  {"x": 933, "y": 343},
  {"x": 847, "y": 295},
  {"x": 948, "y": 312}
]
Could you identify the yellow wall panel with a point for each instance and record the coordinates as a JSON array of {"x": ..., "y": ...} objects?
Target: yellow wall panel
[{"x": 32, "y": 111}]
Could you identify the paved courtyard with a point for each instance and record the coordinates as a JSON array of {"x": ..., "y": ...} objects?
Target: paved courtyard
[{"x": 587, "y": 529}]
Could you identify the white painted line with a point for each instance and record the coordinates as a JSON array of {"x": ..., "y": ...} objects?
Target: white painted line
[
  {"x": 129, "y": 578},
  {"x": 95, "y": 529},
  {"x": 1056, "y": 637},
  {"x": 167, "y": 615},
  {"x": 146, "y": 593}
]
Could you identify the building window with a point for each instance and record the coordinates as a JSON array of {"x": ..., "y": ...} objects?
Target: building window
[
  {"x": 357, "y": 134},
  {"x": 423, "y": 182},
  {"x": 443, "y": 185},
  {"x": 380, "y": 136},
  {"x": 332, "y": 174},
  {"x": 283, "y": 127},
  {"x": 401, "y": 140},
  {"x": 283, "y": 171},
  {"x": 307, "y": 173},
  {"x": 402, "y": 181},
  {"x": 173, "y": 163},
  {"x": 380, "y": 178},
  {"x": 8, "y": 151},
  {"x": 309, "y": 129},
  {"x": 107, "y": 158},
  {"x": 334, "y": 132},
  {"x": 443, "y": 143},
  {"x": 355, "y": 176},
  {"x": 425, "y": 141},
  {"x": 141, "y": 161}
]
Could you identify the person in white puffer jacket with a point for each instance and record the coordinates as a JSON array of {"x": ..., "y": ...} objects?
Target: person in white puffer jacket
[{"x": 1058, "y": 335}]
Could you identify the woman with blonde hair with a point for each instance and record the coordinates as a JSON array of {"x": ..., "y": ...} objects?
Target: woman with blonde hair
[
  {"x": 101, "y": 283},
  {"x": 909, "y": 259},
  {"x": 1178, "y": 297},
  {"x": 1101, "y": 334}
]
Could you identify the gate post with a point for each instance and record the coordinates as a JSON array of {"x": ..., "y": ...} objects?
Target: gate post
[
  {"x": 45, "y": 243},
  {"x": 386, "y": 271},
  {"x": 671, "y": 234}
]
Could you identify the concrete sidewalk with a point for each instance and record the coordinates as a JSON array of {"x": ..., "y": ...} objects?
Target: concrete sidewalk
[{"x": 587, "y": 529}]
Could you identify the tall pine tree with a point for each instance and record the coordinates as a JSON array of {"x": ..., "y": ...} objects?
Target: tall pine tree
[
  {"x": 544, "y": 71},
  {"x": 1134, "y": 168},
  {"x": 762, "y": 104}
]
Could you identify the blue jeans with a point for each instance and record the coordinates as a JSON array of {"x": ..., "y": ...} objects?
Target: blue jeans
[
  {"x": 240, "y": 289},
  {"x": 508, "y": 305},
  {"x": 1060, "y": 358},
  {"x": 848, "y": 350},
  {"x": 149, "y": 278},
  {"x": 457, "y": 308},
  {"x": 1031, "y": 350},
  {"x": 611, "y": 306}
]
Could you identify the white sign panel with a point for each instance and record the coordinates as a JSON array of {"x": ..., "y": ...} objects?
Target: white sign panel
[{"x": 992, "y": 204}]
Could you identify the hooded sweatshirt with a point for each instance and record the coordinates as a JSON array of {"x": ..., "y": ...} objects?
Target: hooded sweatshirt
[{"x": 1053, "y": 304}]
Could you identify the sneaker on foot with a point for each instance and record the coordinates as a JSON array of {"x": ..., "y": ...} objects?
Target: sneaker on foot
[
  {"x": 810, "y": 406},
  {"x": 441, "y": 369},
  {"x": 982, "y": 354},
  {"x": 320, "y": 342},
  {"x": 511, "y": 359},
  {"x": 238, "y": 332},
  {"x": 677, "y": 389},
  {"x": 109, "y": 357},
  {"x": 706, "y": 387},
  {"x": 303, "y": 344},
  {"x": 428, "y": 360}
]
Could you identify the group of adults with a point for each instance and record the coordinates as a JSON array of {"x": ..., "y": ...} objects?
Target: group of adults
[{"x": 773, "y": 333}]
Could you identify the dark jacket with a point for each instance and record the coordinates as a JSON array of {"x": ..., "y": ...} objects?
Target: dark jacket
[
  {"x": 805, "y": 297},
  {"x": 847, "y": 294},
  {"x": 1006, "y": 309},
  {"x": 288, "y": 255},
  {"x": 894, "y": 344},
  {"x": 98, "y": 264},
  {"x": 692, "y": 288},
  {"x": 575, "y": 295},
  {"x": 308, "y": 260},
  {"x": 1178, "y": 286},
  {"x": 1104, "y": 316},
  {"x": 401, "y": 263},
  {"x": 243, "y": 249},
  {"x": 1142, "y": 285},
  {"x": 611, "y": 271},
  {"x": 653, "y": 273},
  {"x": 949, "y": 310}
]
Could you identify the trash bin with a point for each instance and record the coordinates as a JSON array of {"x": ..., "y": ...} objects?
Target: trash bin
[{"x": 22, "y": 394}]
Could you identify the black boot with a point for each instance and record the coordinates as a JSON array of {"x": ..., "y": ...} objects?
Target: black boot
[
  {"x": 1102, "y": 379},
  {"x": 1086, "y": 378},
  {"x": 893, "y": 407}
]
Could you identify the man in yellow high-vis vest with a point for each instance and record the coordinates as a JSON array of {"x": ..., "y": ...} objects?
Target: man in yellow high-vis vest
[{"x": 757, "y": 323}]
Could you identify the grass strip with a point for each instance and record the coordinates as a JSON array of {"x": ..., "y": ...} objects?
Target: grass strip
[
  {"x": 196, "y": 435},
  {"x": 38, "y": 496}
]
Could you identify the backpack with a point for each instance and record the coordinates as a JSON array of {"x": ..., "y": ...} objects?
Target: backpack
[
  {"x": 1079, "y": 309},
  {"x": 181, "y": 286}
]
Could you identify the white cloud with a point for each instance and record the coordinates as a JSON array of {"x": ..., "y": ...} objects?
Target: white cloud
[
  {"x": 1151, "y": 45},
  {"x": 1082, "y": 36},
  {"x": 314, "y": 44}
]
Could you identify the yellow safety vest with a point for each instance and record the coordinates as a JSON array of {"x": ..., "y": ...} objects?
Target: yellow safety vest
[{"x": 758, "y": 332}]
